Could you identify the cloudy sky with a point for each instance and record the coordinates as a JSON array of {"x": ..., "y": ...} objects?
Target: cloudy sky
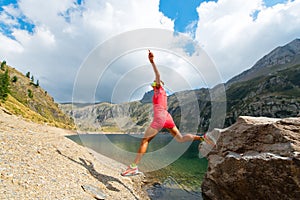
[{"x": 62, "y": 41}]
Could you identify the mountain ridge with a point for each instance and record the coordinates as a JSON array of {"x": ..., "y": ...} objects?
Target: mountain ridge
[{"x": 280, "y": 56}]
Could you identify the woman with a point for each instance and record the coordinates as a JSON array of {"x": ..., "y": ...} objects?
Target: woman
[{"x": 161, "y": 119}]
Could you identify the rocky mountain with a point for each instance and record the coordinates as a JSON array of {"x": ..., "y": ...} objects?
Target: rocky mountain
[
  {"x": 280, "y": 58},
  {"x": 255, "y": 158},
  {"x": 107, "y": 117},
  {"x": 270, "y": 88},
  {"x": 147, "y": 98},
  {"x": 274, "y": 95},
  {"x": 24, "y": 96}
]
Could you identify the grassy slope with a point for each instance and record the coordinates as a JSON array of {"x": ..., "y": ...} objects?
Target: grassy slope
[{"x": 41, "y": 108}]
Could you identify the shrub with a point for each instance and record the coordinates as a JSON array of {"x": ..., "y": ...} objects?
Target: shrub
[
  {"x": 14, "y": 79},
  {"x": 30, "y": 95}
]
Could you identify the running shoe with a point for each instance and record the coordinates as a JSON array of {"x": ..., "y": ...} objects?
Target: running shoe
[
  {"x": 131, "y": 171},
  {"x": 209, "y": 140}
]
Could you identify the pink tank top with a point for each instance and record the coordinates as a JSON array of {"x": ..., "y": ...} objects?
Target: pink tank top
[{"x": 159, "y": 99}]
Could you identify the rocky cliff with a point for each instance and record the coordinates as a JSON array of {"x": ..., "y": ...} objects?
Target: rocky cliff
[
  {"x": 275, "y": 95},
  {"x": 256, "y": 158}
]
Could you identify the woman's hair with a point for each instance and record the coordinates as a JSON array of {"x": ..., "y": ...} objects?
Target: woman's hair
[
  {"x": 163, "y": 83},
  {"x": 154, "y": 83}
]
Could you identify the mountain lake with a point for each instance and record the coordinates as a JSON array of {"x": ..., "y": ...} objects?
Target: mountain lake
[{"x": 167, "y": 163}]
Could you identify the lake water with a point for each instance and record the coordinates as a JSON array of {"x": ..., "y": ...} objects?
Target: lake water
[{"x": 165, "y": 158}]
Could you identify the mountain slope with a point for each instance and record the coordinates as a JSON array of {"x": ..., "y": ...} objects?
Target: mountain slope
[
  {"x": 278, "y": 59},
  {"x": 275, "y": 95},
  {"x": 29, "y": 100}
]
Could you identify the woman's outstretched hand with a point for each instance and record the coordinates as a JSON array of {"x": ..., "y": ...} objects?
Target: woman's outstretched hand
[{"x": 151, "y": 56}]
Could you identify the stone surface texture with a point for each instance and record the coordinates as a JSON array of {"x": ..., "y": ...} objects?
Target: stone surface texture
[
  {"x": 256, "y": 158},
  {"x": 39, "y": 162}
]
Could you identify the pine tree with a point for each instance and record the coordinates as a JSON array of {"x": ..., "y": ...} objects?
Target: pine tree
[
  {"x": 4, "y": 83},
  {"x": 3, "y": 64}
]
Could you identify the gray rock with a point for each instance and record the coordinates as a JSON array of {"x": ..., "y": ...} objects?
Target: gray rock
[
  {"x": 256, "y": 158},
  {"x": 94, "y": 191}
]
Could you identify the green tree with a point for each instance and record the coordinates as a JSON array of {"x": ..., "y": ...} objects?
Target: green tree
[
  {"x": 28, "y": 74},
  {"x": 37, "y": 83},
  {"x": 4, "y": 83},
  {"x": 32, "y": 79},
  {"x": 14, "y": 79},
  {"x": 3, "y": 64}
]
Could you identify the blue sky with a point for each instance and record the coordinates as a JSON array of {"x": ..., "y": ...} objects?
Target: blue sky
[
  {"x": 21, "y": 21},
  {"x": 58, "y": 35},
  {"x": 182, "y": 12},
  {"x": 270, "y": 3}
]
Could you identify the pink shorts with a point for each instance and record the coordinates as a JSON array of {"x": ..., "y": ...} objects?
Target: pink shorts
[{"x": 162, "y": 119}]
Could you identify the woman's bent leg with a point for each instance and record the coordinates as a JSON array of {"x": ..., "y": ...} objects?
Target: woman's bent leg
[{"x": 183, "y": 138}]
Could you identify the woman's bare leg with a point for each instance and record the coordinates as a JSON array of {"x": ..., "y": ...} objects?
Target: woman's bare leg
[
  {"x": 149, "y": 135},
  {"x": 183, "y": 138},
  {"x": 189, "y": 137}
]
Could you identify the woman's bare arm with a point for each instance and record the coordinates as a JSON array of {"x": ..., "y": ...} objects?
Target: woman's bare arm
[{"x": 156, "y": 72}]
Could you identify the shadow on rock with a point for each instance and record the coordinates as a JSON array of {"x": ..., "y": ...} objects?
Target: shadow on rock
[{"x": 105, "y": 179}]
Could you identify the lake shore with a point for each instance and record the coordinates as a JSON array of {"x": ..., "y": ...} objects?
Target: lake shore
[{"x": 39, "y": 162}]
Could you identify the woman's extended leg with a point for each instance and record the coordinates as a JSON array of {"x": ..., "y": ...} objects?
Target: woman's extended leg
[
  {"x": 133, "y": 169},
  {"x": 149, "y": 135}
]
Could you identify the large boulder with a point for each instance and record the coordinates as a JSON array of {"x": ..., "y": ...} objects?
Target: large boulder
[{"x": 256, "y": 158}]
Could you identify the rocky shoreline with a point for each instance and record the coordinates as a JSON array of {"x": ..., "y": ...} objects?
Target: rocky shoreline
[{"x": 39, "y": 162}]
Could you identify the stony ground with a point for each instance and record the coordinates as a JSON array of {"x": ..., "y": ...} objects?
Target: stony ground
[{"x": 38, "y": 162}]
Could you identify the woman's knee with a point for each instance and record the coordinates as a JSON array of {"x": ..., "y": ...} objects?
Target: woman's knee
[
  {"x": 179, "y": 138},
  {"x": 145, "y": 140},
  {"x": 176, "y": 134},
  {"x": 185, "y": 138}
]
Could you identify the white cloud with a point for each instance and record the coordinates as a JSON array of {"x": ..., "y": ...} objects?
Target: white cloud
[
  {"x": 6, "y": 15},
  {"x": 9, "y": 47},
  {"x": 235, "y": 40},
  {"x": 66, "y": 32},
  {"x": 119, "y": 66}
]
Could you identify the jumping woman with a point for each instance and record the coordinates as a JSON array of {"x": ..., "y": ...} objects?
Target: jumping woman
[{"x": 161, "y": 119}]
